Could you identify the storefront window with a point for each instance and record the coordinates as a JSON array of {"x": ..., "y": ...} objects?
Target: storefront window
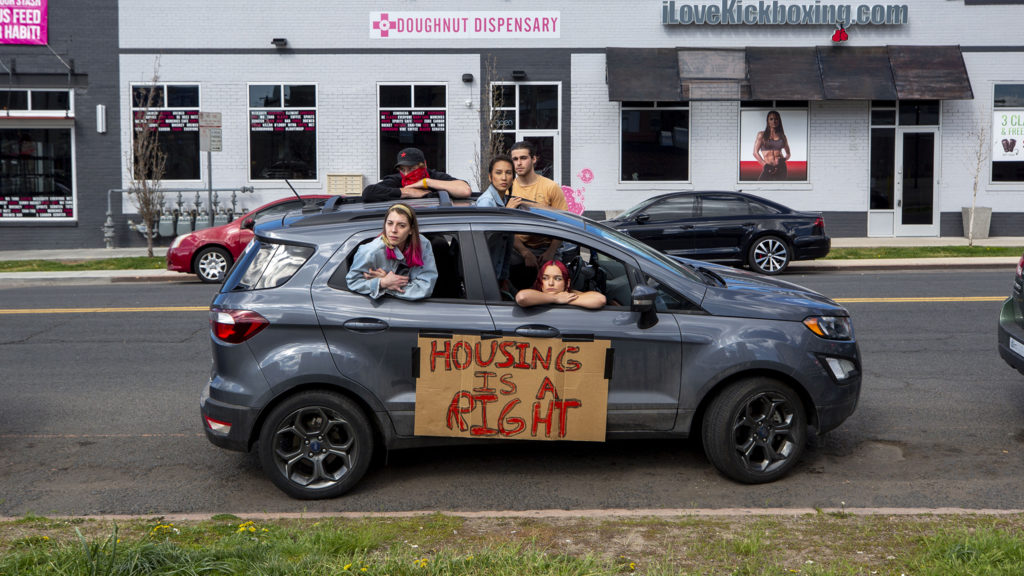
[
  {"x": 172, "y": 110},
  {"x": 655, "y": 142},
  {"x": 412, "y": 115},
  {"x": 1008, "y": 133},
  {"x": 282, "y": 132},
  {"x": 528, "y": 111},
  {"x": 35, "y": 173},
  {"x": 773, "y": 141},
  {"x": 36, "y": 180}
]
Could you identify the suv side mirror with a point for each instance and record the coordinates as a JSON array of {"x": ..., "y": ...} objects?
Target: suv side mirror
[
  {"x": 643, "y": 219},
  {"x": 642, "y": 301},
  {"x": 248, "y": 222}
]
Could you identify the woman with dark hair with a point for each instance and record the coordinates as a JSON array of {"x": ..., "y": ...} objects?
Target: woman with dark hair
[
  {"x": 771, "y": 148},
  {"x": 399, "y": 262},
  {"x": 500, "y": 173},
  {"x": 552, "y": 287}
]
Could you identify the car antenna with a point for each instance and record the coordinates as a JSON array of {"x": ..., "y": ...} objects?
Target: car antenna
[{"x": 293, "y": 189}]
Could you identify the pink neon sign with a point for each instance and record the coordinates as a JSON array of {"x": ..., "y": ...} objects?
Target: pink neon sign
[{"x": 23, "y": 21}]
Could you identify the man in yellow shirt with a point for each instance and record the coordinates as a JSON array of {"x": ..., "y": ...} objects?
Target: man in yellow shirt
[{"x": 531, "y": 251}]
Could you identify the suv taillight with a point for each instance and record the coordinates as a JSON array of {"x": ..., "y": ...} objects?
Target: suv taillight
[
  {"x": 1020, "y": 266},
  {"x": 236, "y": 326},
  {"x": 820, "y": 224}
]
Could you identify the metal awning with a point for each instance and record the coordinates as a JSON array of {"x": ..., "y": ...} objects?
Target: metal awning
[
  {"x": 857, "y": 74},
  {"x": 709, "y": 74},
  {"x": 801, "y": 73},
  {"x": 644, "y": 74},
  {"x": 784, "y": 74},
  {"x": 930, "y": 73}
]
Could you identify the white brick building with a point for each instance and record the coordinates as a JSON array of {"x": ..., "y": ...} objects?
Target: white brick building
[{"x": 625, "y": 99}]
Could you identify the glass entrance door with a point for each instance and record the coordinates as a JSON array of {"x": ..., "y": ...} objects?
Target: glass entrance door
[{"x": 917, "y": 211}]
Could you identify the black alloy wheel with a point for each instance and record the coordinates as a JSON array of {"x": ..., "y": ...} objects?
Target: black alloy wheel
[
  {"x": 755, "y": 430},
  {"x": 316, "y": 445}
]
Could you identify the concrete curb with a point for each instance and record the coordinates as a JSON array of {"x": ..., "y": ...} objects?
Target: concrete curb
[{"x": 562, "y": 514}]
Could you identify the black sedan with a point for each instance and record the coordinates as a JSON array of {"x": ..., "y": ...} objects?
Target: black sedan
[{"x": 726, "y": 227}]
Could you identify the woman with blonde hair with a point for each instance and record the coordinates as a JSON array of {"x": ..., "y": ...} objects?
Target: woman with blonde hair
[{"x": 399, "y": 262}]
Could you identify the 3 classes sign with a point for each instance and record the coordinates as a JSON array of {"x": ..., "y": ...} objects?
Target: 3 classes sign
[{"x": 521, "y": 388}]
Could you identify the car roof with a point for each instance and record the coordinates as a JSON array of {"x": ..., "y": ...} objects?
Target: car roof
[
  {"x": 746, "y": 195},
  {"x": 341, "y": 210}
]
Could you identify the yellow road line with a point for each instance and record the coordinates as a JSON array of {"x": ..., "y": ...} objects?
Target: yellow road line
[
  {"x": 103, "y": 310},
  {"x": 922, "y": 299}
]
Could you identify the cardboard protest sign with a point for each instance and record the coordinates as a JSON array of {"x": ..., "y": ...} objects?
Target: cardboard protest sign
[{"x": 516, "y": 388}]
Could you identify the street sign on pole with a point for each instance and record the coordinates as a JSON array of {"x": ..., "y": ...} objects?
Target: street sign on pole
[{"x": 209, "y": 141}]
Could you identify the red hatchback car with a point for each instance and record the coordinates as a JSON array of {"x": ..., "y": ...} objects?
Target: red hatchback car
[{"x": 210, "y": 252}]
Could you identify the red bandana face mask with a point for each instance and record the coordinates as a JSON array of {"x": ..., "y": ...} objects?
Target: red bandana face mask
[{"x": 415, "y": 177}]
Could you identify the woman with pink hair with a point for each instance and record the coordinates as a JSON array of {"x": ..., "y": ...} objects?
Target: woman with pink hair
[{"x": 552, "y": 287}]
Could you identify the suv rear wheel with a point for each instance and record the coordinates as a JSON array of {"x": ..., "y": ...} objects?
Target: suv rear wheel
[
  {"x": 755, "y": 430},
  {"x": 316, "y": 445}
]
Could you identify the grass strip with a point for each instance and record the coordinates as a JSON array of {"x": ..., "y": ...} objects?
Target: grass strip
[
  {"x": 923, "y": 252},
  {"x": 132, "y": 263},
  {"x": 813, "y": 544}
]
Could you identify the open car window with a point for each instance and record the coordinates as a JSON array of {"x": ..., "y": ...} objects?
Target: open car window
[
  {"x": 589, "y": 270},
  {"x": 447, "y": 249}
]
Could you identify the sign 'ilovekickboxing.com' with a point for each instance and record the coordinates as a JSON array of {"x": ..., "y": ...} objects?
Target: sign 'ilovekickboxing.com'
[{"x": 515, "y": 388}]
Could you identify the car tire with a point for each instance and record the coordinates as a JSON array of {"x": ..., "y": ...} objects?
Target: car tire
[
  {"x": 768, "y": 255},
  {"x": 755, "y": 431},
  {"x": 316, "y": 445},
  {"x": 212, "y": 264}
]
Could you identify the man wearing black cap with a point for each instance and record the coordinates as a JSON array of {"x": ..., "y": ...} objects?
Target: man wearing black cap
[{"x": 414, "y": 180}]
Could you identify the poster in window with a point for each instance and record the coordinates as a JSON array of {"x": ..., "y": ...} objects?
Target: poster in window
[
  {"x": 773, "y": 145},
  {"x": 1008, "y": 135}
]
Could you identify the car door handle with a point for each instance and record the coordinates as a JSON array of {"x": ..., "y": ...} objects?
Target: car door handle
[
  {"x": 677, "y": 229},
  {"x": 537, "y": 331},
  {"x": 365, "y": 325}
]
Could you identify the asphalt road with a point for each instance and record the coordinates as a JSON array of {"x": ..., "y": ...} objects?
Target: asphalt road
[{"x": 99, "y": 415}]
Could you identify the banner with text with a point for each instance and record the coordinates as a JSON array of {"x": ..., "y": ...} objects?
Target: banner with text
[
  {"x": 515, "y": 388},
  {"x": 527, "y": 24},
  {"x": 1008, "y": 135},
  {"x": 22, "y": 21}
]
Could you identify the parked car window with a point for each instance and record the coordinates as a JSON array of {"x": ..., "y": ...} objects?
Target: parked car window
[
  {"x": 718, "y": 206},
  {"x": 279, "y": 209},
  {"x": 758, "y": 208},
  {"x": 671, "y": 209}
]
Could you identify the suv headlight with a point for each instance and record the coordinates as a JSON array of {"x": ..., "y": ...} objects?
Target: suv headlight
[{"x": 830, "y": 327}]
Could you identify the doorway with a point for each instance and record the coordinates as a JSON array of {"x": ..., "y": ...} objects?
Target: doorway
[
  {"x": 904, "y": 169},
  {"x": 916, "y": 209}
]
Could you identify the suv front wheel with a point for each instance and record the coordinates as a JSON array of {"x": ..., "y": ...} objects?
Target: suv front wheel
[
  {"x": 316, "y": 445},
  {"x": 755, "y": 430}
]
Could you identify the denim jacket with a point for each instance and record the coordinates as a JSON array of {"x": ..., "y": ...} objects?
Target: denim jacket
[
  {"x": 374, "y": 255},
  {"x": 490, "y": 198}
]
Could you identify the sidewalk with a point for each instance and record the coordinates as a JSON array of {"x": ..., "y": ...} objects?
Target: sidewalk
[{"x": 108, "y": 276}]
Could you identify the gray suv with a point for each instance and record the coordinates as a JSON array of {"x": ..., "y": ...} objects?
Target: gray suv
[{"x": 317, "y": 377}]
